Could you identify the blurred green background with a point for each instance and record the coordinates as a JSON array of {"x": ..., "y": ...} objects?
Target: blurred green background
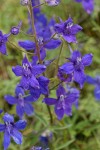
[{"x": 82, "y": 130}]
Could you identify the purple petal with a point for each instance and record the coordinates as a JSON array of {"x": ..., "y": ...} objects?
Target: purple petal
[
  {"x": 31, "y": 98},
  {"x": 25, "y": 61},
  {"x": 28, "y": 108},
  {"x": 6, "y": 141},
  {"x": 10, "y": 99},
  {"x": 67, "y": 67},
  {"x": 76, "y": 28},
  {"x": 38, "y": 69},
  {"x": 17, "y": 70},
  {"x": 76, "y": 54},
  {"x": 59, "y": 27},
  {"x": 68, "y": 110},
  {"x": 70, "y": 38},
  {"x": 87, "y": 59},
  {"x": 34, "y": 82},
  {"x": 79, "y": 77},
  {"x": 19, "y": 90},
  {"x": 3, "y": 49},
  {"x": 2, "y": 127},
  {"x": 60, "y": 91},
  {"x": 50, "y": 101},
  {"x": 21, "y": 124},
  {"x": 24, "y": 83},
  {"x": 52, "y": 44},
  {"x": 34, "y": 60},
  {"x": 35, "y": 94},
  {"x": 19, "y": 111},
  {"x": 97, "y": 92},
  {"x": 88, "y": 6},
  {"x": 16, "y": 135},
  {"x": 90, "y": 80},
  {"x": 59, "y": 112},
  {"x": 71, "y": 98},
  {"x": 42, "y": 53},
  {"x": 28, "y": 45},
  {"x": 8, "y": 118},
  {"x": 43, "y": 82}
]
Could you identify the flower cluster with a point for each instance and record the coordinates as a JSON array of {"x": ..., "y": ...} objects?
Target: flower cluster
[{"x": 33, "y": 73}]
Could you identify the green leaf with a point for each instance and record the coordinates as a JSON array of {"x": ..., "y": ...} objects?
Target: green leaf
[{"x": 65, "y": 145}]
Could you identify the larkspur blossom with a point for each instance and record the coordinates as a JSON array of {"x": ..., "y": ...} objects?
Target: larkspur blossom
[
  {"x": 10, "y": 129},
  {"x": 52, "y": 2},
  {"x": 29, "y": 73},
  {"x": 3, "y": 41},
  {"x": 76, "y": 66},
  {"x": 96, "y": 82},
  {"x": 68, "y": 30},
  {"x": 88, "y": 5},
  {"x": 23, "y": 104},
  {"x": 63, "y": 103},
  {"x": 44, "y": 41},
  {"x": 16, "y": 29}
]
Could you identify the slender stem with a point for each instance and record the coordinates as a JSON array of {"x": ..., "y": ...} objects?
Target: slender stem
[
  {"x": 51, "y": 118},
  {"x": 49, "y": 39},
  {"x": 59, "y": 56},
  {"x": 26, "y": 33},
  {"x": 12, "y": 44},
  {"x": 34, "y": 32},
  {"x": 38, "y": 5},
  {"x": 56, "y": 85}
]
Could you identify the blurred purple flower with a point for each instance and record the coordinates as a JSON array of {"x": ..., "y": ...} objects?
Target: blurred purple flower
[
  {"x": 88, "y": 5},
  {"x": 10, "y": 129},
  {"x": 96, "y": 82},
  {"x": 16, "y": 29},
  {"x": 1, "y": 111},
  {"x": 76, "y": 66},
  {"x": 52, "y": 2},
  {"x": 63, "y": 103},
  {"x": 68, "y": 30},
  {"x": 3, "y": 41}
]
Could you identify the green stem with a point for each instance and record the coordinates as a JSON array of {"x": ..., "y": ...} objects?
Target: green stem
[
  {"x": 59, "y": 56},
  {"x": 50, "y": 114},
  {"x": 12, "y": 44},
  {"x": 34, "y": 32}
]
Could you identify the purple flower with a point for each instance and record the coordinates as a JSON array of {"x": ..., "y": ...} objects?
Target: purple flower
[
  {"x": 16, "y": 29},
  {"x": 44, "y": 42},
  {"x": 1, "y": 111},
  {"x": 68, "y": 30},
  {"x": 63, "y": 103},
  {"x": 74, "y": 91},
  {"x": 96, "y": 82},
  {"x": 23, "y": 104},
  {"x": 43, "y": 84},
  {"x": 76, "y": 66},
  {"x": 3, "y": 41},
  {"x": 88, "y": 5},
  {"x": 29, "y": 73},
  {"x": 10, "y": 129},
  {"x": 52, "y": 2}
]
